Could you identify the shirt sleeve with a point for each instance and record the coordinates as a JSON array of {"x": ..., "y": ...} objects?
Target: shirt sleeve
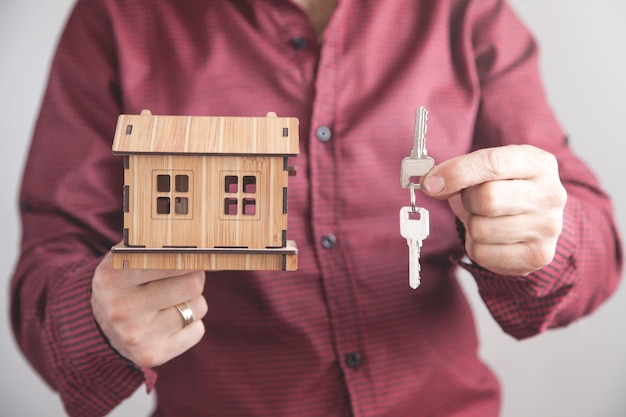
[
  {"x": 514, "y": 109},
  {"x": 71, "y": 210}
]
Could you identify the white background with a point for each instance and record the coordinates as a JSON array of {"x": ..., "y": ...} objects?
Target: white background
[{"x": 579, "y": 371}]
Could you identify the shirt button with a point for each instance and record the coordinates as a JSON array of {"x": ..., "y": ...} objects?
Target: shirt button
[
  {"x": 353, "y": 360},
  {"x": 329, "y": 241},
  {"x": 298, "y": 43},
  {"x": 323, "y": 133},
  {"x": 24, "y": 206}
]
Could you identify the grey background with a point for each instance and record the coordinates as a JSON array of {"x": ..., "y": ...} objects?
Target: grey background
[{"x": 578, "y": 371}]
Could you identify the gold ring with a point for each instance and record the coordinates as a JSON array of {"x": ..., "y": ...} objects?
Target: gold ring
[{"x": 186, "y": 312}]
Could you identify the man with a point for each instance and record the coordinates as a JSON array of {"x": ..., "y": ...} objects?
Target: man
[{"x": 344, "y": 335}]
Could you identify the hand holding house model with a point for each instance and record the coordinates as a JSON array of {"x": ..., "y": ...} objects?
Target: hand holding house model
[{"x": 206, "y": 193}]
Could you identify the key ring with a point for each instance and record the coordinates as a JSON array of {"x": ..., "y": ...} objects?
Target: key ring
[{"x": 412, "y": 187}]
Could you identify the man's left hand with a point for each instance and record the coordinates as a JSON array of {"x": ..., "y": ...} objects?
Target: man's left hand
[{"x": 510, "y": 200}]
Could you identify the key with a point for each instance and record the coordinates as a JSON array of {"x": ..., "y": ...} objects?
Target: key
[
  {"x": 414, "y": 230},
  {"x": 418, "y": 163}
]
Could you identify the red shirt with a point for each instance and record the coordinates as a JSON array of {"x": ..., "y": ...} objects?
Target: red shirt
[{"x": 344, "y": 335}]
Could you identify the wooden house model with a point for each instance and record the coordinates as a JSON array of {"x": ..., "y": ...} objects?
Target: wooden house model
[{"x": 206, "y": 193}]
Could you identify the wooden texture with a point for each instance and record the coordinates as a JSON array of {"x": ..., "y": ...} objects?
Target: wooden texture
[
  {"x": 206, "y": 135},
  {"x": 283, "y": 259},
  {"x": 206, "y": 225},
  {"x": 205, "y": 192}
]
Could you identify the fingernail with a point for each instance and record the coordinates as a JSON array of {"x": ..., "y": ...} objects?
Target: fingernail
[{"x": 434, "y": 185}]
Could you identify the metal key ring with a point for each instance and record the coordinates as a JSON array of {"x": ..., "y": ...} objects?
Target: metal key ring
[{"x": 413, "y": 186}]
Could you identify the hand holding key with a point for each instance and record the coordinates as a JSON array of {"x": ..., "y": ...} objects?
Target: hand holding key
[{"x": 510, "y": 200}]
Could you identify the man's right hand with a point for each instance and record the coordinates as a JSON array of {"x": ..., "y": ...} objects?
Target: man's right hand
[{"x": 136, "y": 311}]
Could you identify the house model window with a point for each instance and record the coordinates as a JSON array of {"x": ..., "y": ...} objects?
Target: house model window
[
  {"x": 171, "y": 194},
  {"x": 239, "y": 196}
]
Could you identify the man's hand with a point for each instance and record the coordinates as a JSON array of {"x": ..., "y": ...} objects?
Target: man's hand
[
  {"x": 136, "y": 311},
  {"x": 510, "y": 200}
]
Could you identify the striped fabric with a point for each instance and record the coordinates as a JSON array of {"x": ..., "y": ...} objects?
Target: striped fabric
[{"x": 344, "y": 335}]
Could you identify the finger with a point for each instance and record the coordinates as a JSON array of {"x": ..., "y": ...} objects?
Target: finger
[
  {"x": 184, "y": 340},
  {"x": 173, "y": 320},
  {"x": 499, "y": 198},
  {"x": 175, "y": 335},
  {"x": 143, "y": 276},
  {"x": 162, "y": 350},
  {"x": 146, "y": 337},
  {"x": 513, "y": 229},
  {"x": 150, "y": 298},
  {"x": 164, "y": 293},
  {"x": 132, "y": 277},
  {"x": 137, "y": 305},
  {"x": 518, "y": 259},
  {"x": 491, "y": 164}
]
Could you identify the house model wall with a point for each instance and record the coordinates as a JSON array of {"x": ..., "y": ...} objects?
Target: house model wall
[{"x": 206, "y": 192}]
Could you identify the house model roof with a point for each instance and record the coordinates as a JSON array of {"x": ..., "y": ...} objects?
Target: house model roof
[{"x": 206, "y": 135}]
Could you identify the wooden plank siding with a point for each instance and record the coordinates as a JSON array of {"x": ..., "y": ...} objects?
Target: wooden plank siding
[{"x": 206, "y": 225}]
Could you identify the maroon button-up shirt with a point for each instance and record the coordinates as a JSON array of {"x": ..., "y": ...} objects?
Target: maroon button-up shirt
[{"x": 344, "y": 335}]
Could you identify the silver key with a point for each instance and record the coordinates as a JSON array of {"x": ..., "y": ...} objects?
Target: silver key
[
  {"x": 414, "y": 230},
  {"x": 419, "y": 163}
]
